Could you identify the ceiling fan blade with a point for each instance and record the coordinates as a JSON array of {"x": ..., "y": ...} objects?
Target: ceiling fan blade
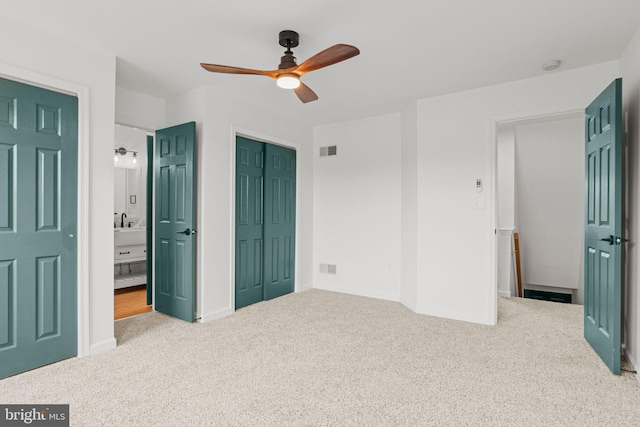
[
  {"x": 305, "y": 93},
  {"x": 215, "y": 68},
  {"x": 332, "y": 55}
]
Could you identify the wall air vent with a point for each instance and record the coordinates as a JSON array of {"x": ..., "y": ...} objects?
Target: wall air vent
[
  {"x": 328, "y": 268},
  {"x": 331, "y": 150}
]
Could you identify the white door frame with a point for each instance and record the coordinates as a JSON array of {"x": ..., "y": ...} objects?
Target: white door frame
[{"x": 43, "y": 81}]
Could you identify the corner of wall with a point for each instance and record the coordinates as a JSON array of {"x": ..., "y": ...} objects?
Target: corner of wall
[
  {"x": 630, "y": 72},
  {"x": 411, "y": 305},
  {"x": 214, "y": 315},
  {"x": 102, "y": 346},
  {"x": 409, "y": 206},
  {"x": 305, "y": 287}
]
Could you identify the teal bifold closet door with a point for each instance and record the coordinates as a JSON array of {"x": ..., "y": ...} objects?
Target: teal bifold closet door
[
  {"x": 249, "y": 221},
  {"x": 265, "y": 221},
  {"x": 279, "y": 219}
]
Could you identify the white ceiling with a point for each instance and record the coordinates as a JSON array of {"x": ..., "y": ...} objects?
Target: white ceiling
[{"x": 409, "y": 49}]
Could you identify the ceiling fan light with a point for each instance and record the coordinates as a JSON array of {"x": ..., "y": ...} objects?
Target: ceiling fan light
[{"x": 288, "y": 81}]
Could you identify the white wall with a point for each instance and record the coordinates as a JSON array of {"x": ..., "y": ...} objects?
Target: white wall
[
  {"x": 41, "y": 54},
  {"x": 549, "y": 166},
  {"x": 630, "y": 70},
  {"x": 506, "y": 177},
  {"x": 130, "y": 177},
  {"x": 219, "y": 116},
  {"x": 357, "y": 207},
  {"x": 139, "y": 110},
  {"x": 456, "y": 239},
  {"x": 409, "y": 219}
]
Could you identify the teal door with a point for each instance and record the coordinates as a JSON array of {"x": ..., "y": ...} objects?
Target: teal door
[
  {"x": 175, "y": 219},
  {"x": 603, "y": 225},
  {"x": 279, "y": 220},
  {"x": 38, "y": 227},
  {"x": 249, "y": 222},
  {"x": 265, "y": 221}
]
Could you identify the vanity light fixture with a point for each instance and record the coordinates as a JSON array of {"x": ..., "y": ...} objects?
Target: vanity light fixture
[{"x": 123, "y": 152}]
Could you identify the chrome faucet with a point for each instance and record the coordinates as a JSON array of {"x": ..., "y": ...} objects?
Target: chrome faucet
[{"x": 122, "y": 217}]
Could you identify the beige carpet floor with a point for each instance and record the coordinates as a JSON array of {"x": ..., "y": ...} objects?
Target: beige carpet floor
[{"x": 320, "y": 358}]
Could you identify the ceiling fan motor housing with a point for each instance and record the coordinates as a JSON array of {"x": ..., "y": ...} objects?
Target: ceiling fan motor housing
[
  {"x": 287, "y": 61},
  {"x": 288, "y": 39}
]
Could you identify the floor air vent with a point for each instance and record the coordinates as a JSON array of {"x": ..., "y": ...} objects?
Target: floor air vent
[
  {"x": 547, "y": 296},
  {"x": 331, "y": 150},
  {"x": 328, "y": 268}
]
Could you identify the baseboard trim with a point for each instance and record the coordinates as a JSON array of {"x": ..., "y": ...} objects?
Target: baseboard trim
[
  {"x": 360, "y": 292},
  {"x": 215, "y": 315},
  {"x": 410, "y": 305},
  {"x": 504, "y": 294},
  {"x": 631, "y": 361},
  {"x": 306, "y": 287},
  {"x": 463, "y": 317},
  {"x": 103, "y": 346}
]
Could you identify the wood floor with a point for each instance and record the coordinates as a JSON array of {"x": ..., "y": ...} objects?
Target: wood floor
[{"x": 130, "y": 301}]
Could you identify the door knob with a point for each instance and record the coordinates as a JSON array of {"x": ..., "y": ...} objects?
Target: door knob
[
  {"x": 620, "y": 240},
  {"x": 186, "y": 232},
  {"x": 609, "y": 239}
]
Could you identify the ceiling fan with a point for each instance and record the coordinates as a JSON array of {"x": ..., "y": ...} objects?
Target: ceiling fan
[{"x": 289, "y": 72}]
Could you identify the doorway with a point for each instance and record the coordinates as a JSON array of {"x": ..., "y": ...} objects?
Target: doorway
[
  {"x": 130, "y": 222},
  {"x": 540, "y": 195},
  {"x": 156, "y": 197}
]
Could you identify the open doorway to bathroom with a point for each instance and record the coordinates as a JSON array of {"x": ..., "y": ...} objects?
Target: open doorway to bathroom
[{"x": 130, "y": 222}]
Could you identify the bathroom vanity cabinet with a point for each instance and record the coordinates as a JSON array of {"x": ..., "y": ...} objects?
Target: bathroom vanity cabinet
[{"x": 130, "y": 255}]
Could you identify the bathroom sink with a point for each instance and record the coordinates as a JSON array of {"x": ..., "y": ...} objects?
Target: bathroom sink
[{"x": 130, "y": 236}]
